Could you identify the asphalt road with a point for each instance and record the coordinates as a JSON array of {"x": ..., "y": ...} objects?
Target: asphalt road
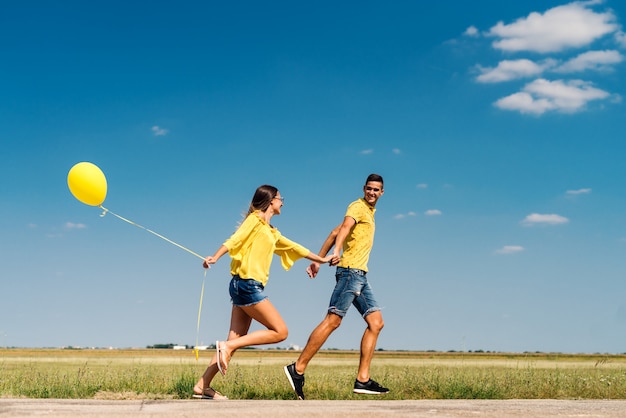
[{"x": 367, "y": 408}]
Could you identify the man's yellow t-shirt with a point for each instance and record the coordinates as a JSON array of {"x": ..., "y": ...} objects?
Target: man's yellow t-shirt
[
  {"x": 253, "y": 245},
  {"x": 358, "y": 244}
]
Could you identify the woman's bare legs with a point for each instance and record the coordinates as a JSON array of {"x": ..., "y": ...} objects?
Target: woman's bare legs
[
  {"x": 264, "y": 313},
  {"x": 241, "y": 317},
  {"x": 239, "y": 325}
]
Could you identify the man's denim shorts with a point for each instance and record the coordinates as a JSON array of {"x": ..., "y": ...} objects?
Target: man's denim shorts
[
  {"x": 352, "y": 288},
  {"x": 245, "y": 292}
]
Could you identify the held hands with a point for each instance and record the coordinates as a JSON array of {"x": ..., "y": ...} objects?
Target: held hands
[
  {"x": 332, "y": 259},
  {"x": 314, "y": 267}
]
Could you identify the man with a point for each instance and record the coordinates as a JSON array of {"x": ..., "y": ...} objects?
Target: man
[{"x": 355, "y": 236}]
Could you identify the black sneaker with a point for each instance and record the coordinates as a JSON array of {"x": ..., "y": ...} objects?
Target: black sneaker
[
  {"x": 371, "y": 387},
  {"x": 295, "y": 379}
]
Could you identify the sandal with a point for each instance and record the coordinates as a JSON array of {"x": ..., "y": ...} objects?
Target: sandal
[
  {"x": 205, "y": 395},
  {"x": 222, "y": 360}
]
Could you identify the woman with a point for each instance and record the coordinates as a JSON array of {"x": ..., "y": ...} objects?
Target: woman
[{"x": 251, "y": 248}]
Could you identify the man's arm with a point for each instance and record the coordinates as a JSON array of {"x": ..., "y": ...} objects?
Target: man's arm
[
  {"x": 344, "y": 229},
  {"x": 326, "y": 246}
]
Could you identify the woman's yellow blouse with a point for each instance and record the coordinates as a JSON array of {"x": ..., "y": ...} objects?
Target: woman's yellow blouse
[{"x": 252, "y": 246}]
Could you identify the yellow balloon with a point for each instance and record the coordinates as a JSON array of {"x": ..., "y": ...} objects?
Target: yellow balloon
[{"x": 87, "y": 183}]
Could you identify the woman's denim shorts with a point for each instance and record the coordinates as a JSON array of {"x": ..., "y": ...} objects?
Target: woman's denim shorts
[
  {"x": 245, "y": 292},
  {"x": 352, "y": 288}
]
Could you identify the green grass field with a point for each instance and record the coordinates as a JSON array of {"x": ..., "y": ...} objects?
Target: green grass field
[{"x": 258, "y": 374}]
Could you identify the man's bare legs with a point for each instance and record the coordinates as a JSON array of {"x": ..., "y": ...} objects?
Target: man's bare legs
[
  {"x": 375, "y": 324},
  {"x": 317, "y": 339},
  {"x": 330, "y": 323}
]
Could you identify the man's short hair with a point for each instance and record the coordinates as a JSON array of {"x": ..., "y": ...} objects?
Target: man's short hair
[{"x": 375, "y": 177}]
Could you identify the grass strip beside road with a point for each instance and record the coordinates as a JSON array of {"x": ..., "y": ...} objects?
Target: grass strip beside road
[{"x": 257, "y": 374}]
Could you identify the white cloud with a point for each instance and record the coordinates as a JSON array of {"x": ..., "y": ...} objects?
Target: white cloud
[
  {"x": 158, "y": 131},
  {"x": 396, "y": 151},
  {"x": 510, "y": 249},
  {"x": 542, "y": 95},
  {"x": 72, "y": 225},
  {"x": 569, "y": 30},
  {"x": 544, "y": 219},
  {"x": 571, "y": 25},
  {"x": 577, "y": 192},
  {"x": 404, "y": 215},
  {"x": 471, "y": 31},
  {"x": 422, "y": 186},
  {"x": 591, "y": 60},
  {"x": 507, "y": 70},
  {"x": 512, "y": 69},
  {"x": 367, "y": 151},
  {"x": 524, "y": 103},
  {"x": 433, "y": 212}
]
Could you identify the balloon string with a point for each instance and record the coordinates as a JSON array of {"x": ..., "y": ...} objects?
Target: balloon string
[
  {"x": 199, "y": 314},
  {"x": 105, "y": 211}
]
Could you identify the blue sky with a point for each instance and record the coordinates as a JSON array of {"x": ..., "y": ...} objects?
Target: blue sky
[{"x": 498, "y": 127}]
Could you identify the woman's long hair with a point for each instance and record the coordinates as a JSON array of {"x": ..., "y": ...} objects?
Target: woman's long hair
[{"x": 262, "y": 198}]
